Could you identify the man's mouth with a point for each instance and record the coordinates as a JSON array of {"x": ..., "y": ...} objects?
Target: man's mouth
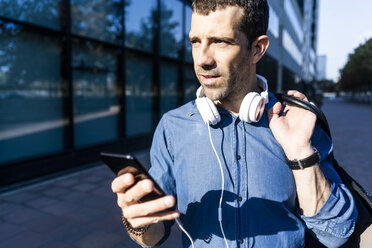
[{"x": 209, "y": 79}]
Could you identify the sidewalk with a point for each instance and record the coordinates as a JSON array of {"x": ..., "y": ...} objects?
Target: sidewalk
[{"x": 73, "y": 211}]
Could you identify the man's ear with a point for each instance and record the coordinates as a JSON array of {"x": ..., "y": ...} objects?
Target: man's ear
[{"x": 259, "y": 47}]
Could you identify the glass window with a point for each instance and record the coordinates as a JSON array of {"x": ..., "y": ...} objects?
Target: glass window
[
  {"x": 168, "y": 86},
  {"x": 291, "y": 47},
  {"x": 171, "y": 28},
  {"x": 188, "y": 54},
  {"x": 294, "y": 19},
  {"x": 273, "y": 22},
  {"x": 191, "y": 84},
  {"x": 41, "y": 12},
  {"x": 140, "y": 16},
  {"x": 139, "y": 94},
  {"x": 100, "y": 19},
  {"x": 96, "y": 95},
  {"x": 31, "y": 117}
]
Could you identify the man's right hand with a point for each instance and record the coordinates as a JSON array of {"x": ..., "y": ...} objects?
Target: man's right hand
[{"x": 140, "y": 214}]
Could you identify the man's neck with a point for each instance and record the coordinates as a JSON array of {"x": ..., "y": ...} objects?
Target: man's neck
[{"x": 233, "y": 102}]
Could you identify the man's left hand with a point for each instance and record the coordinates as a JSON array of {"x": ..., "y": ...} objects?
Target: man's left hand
[{"x": 294, "y": 128}]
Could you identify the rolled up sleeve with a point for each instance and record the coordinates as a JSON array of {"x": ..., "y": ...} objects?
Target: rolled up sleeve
[{"x": 334, "y": 223}]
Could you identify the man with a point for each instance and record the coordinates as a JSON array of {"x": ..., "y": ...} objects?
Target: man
[{"x": 264, "y": 203}]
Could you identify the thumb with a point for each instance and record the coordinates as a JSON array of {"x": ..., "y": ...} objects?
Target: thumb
[{"x": 274, "y": 111}]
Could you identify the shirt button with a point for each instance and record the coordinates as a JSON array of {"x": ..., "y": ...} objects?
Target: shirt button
[
  {"x": 240, "y": 198},
  {"x": 238, "y": 157},
  {"x": 240, "y": 241}
]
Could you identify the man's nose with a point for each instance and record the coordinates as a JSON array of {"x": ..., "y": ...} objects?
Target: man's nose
[{"x": 205, "y": 57}]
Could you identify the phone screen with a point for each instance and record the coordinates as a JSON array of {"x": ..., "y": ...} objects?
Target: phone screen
[{"x": 121, "y": 164}]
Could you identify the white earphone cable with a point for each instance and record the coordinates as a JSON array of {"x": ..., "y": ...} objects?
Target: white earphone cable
[
  {"x": 220, "y": 201},
  {"x": 184, "y": 230},
  {"x": 222, "y": 189}
]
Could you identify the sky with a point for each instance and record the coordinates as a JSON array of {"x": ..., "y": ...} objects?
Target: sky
[{"x": 343, "y": 26}]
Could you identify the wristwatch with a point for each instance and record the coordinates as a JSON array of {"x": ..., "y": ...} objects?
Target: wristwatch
[{"x": 300, "y": 164}]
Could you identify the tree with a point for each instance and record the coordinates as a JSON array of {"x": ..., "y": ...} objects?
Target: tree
[{"x": 357, "y": 73}]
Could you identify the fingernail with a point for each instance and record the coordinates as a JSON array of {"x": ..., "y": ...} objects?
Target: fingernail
[
  {"x": 168, "y": 201},
  {"x": 146, "y": 186},
  {"x": 176, "y": 215},
  {"x": 127, "y": 179}
]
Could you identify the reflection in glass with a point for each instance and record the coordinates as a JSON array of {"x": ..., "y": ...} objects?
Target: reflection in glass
[
  {"x": 188, "y": 54},
  {"x": 41, "y": 12},
  {"x": 191, "y": 84},
  {"x": 96, "y": 94},
  {"x": 291, "y": 47},
  {"x": 100, "y": 19},
  {"x": 168, "y": 87},
  {"x": 31, "y": 118},
  {"x": 140, "y": 16},
  {"x": 294, "y": 19},
  {"x": 138, "y": 92},
  {"x": 171, "y": 28},
  {"x": 273, "y": 22}
]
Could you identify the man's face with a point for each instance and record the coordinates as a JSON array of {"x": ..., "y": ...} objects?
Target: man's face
[{"x": 220, "y": 52}]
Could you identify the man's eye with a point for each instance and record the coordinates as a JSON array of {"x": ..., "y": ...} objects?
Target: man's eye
[
  {"x": 194, "y": 43},
  {"x": 221, "y": 43}
]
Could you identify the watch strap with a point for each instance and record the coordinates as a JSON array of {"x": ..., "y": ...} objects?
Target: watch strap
[{"x": 300, "y": 164}]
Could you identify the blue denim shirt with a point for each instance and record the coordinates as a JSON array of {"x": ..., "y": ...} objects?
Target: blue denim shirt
[{"x": 260, "y": 207}]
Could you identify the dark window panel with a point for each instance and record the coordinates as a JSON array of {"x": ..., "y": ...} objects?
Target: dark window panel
[
  {"x": 168, "y": 86},
  {"x": 188, "y": 55},
  {"x": 41, "y": 12},
  {"x": 191, "y": 84},
  {"x": 140, "y": 24},
  {"x": 139, "y": 95},
  {"x": 171, "y": 28},
  {"x": 100, "y": 19},
  {"x": 96, "y": 95},
  {"x": 31, "y": 116}
]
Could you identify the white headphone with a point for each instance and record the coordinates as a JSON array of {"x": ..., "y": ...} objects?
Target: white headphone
[{"x": 251, "y": 109}]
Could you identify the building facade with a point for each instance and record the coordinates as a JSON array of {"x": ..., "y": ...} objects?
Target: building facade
[
  {"x": 78, "y": 77},
  {"x": 321, "y": 67}
]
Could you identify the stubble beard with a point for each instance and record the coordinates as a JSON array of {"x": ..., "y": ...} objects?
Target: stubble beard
[{"x": 225, "y": 89}]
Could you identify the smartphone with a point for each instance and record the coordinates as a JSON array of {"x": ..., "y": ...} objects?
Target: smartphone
[{"x": 121, "y": 164}]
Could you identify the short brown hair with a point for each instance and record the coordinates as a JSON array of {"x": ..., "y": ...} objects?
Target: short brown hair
[{"x": 254, "y": 21}]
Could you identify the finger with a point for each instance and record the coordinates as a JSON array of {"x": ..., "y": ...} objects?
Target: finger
[
  {"x": 121, "y": 183},
  {"x": 150, "y": 207},
  {"x": 121, "y": 200},
  {"x": 156, "y": 218},
  {"x": 274, "y": 111},
  {"x": 277, "y": 108},
  {"x": 297, "y": 94},
  {"x": 135, "y": 193}
]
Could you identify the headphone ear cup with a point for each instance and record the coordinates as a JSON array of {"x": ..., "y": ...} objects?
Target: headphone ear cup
[
  {"x": 208, "y": 110},
  {"x": 252, "y": 107}
]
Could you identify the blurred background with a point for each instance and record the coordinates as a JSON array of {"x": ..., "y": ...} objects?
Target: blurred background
[{"x": 78, "y": 77}]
